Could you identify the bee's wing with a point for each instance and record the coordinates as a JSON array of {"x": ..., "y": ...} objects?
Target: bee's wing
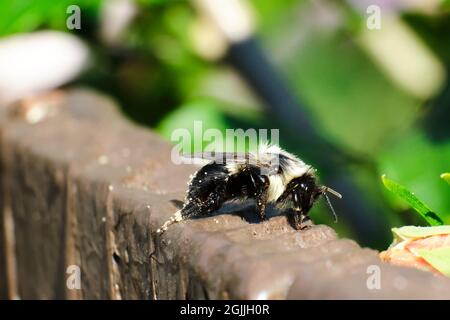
[
  {"x": 270, "y": 163},
  {"x": 220, "y": 157}
]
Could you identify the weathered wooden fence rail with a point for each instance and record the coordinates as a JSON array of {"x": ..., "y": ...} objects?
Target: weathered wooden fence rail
[{"x": 81, "y": 186}]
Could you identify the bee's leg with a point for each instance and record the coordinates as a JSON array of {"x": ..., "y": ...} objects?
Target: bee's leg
[
  {"x": 205, "y": 203},
  {"x": 300, "y": 217},
  {"x": 261, "y": 185},
  {"x": 300, "y": 220}
]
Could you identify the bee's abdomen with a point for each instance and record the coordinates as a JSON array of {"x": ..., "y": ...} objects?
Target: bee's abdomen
[{"x": 206, "y": 180}]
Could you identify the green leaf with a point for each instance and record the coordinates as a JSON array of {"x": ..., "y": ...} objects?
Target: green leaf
[
  {"x": 446, "y": 177},
  {"x": 432, "y": 218},
  {"x": 417, "y": 162},
  {"x": 439, "y": 258}
]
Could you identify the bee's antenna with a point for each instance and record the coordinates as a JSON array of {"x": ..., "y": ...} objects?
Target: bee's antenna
[{"x": 335, "y": 193}]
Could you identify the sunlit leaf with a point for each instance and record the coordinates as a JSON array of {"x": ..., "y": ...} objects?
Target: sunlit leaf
[
  {"x": 439, "y": 258},
  {"x": 425, "y": 248},
  {"x": 432, "y": 218},
  {"x": 446, "y": 177},
  {"x": 414, "y": 232}
]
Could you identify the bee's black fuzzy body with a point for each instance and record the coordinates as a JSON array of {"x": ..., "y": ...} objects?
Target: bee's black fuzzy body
[
  {"x": 213, "y": 185},
  {"x": 290, "y": 183}
]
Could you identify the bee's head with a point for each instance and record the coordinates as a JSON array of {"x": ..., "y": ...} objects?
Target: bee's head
[
  {"x": 305, "y": 192},
  {"x": 308, "y": 192}
]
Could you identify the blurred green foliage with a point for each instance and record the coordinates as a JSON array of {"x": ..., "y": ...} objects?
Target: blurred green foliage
[
  {"x": 29, "y": 15},
  {"x": 161, "y": 81}
]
